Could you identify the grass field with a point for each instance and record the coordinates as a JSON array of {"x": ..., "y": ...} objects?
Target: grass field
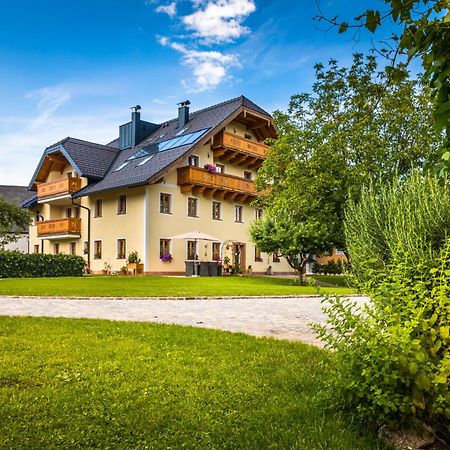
[
  {"x": 336, "y": 280},
  {"x": 96, "y": 384},
  {"x": 158, "y": 287}
]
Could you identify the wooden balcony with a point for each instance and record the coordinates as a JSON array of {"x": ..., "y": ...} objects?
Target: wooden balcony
[
  {"x": 233, "y": 149},
  {"x": 59, "y": 228},
  {"x": 58, "y": 189},
  {"x": 217, "y": 185}
]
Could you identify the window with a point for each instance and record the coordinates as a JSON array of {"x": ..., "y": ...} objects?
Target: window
[
  {"x": 121, "y": 248},
  {"x": 192, "y": 207},
  {"x": 55, "y": 249},
  {"x": 248, "y": 175},
  {"x": 193, "y": 160},
  {"x": 238, "y": 217},
  {"x": 121, "y": 166},
  {"x": 258, "y": 213},
  {"x": 98, "y": 249},
  {"x": 36, "y": 248},
  {"x": 73, "y": 248},
  {"x": 258, "y": 257},
  {"x": 216, "y": 210},
  {"x": 216, "y": 251},
  {"x": 165, "y": 203},
  {"x": 37, "y": 217},
  {"x": 276, "y": 257},
  {"x": 164, "y": 247},
  {"x": 248, "y": 136},
  {"x": 98, "y": 210},
  {"x": 122, "y": 204},
  {"x": 85, "y": 248},
  {"x": 191, "y": 250},
  {"x": 69, "y": 174},
  {"x": 220, "y": 168},
  {"x": 69, "y": 213},
  {"x": 77, "y": 212}
]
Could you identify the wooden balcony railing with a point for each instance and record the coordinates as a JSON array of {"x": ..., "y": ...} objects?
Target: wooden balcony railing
[
  {"x": 63, "y": 186},
  {"x": 218, "y": 185},
  {"x": 234, "y": 149},
  {"x": 59, "y": 227}
]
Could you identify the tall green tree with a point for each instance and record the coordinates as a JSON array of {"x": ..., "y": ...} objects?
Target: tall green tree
[
  {"x": 350, "y": 130},
  {"x": 13, "y": 220}
]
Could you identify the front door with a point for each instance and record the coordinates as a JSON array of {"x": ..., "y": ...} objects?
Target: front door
[{"x": 239, "y": 259}]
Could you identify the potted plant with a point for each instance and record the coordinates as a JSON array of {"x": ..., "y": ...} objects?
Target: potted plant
[
  {"x": 123, "y": 270},
  {"x": 167, "y": 257},
  {"x": 134, "y": 263},
  {"x": 106, "y": 269}
]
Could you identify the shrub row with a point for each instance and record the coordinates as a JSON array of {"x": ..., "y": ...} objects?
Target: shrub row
[
  {"x": 21, "y": 265},
  {"x": 330, "y": 268}
]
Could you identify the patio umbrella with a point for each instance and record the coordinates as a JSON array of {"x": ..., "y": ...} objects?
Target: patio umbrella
[{"x": 195, "y": 236}]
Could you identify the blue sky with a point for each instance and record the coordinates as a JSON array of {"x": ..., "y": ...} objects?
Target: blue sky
[{"x": 74, "y": 68}]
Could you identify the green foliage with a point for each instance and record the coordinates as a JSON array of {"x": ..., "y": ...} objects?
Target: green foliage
[
  {"x": 331, "y": 267},
  {"x": 394, "y": 355},
  {"x": 406, "y": 218},
  {"x": 23, "y": 265},
  {"x": 13, "y": 220},
  {"x": 352, "y": 129},
  {"x": 104, "y": 384},
  {"x": 133, "y": 258}
]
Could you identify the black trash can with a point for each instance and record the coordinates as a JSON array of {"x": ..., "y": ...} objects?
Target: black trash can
[
  {"x": 204, "y": 269},
  {"x": 214, "y": 269}
]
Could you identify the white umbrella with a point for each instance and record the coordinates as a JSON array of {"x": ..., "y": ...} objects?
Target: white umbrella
[{"x": 195, "y": 236}]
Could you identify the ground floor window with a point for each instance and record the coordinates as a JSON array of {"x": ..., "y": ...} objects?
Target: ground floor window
[
  {"x": 97, "y": 249},
  {"x": 276, "y": 257},
  {"x": 191, "y": 250},
  {"x": 164, "y": 247},
  {"x": 55, "y": 249},
  {"x": 73, "y": 248},
  {"x": 216, "y": 251},
  {"x": 258, "y": 257},
  {"x": 36, "y": 248},
  {"x": 121, "y": 248}
]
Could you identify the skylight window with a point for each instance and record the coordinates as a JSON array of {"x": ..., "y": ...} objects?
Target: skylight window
[
  {"x": 122, "y": 166},
  {"x": 182, "y": 131},
  {"x": 146, "y": 160}
]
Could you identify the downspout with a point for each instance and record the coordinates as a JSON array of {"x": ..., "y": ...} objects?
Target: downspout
[
  {"x": 42, "y": 240},
  {"x": 88, "y": 234}
]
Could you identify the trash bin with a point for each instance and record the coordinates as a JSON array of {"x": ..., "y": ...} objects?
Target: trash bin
[
  {"x": 204, "y": 269},
  {"x": 214, "y": 269}
]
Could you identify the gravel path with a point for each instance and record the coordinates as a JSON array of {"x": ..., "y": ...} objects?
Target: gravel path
[{"x": 282, "y": 318}]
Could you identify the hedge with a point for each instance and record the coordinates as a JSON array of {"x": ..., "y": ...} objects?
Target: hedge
[{"x": 14, "y": 264}]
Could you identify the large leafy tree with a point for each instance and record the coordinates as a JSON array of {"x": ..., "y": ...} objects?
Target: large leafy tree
[
  {"x": 424, "y": 32},
  {"x": 13, "y": 220},
  {"x": 350, "y": 130}
]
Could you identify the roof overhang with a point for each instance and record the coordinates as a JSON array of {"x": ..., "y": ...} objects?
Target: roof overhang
[{"x": 53, "y": 158}]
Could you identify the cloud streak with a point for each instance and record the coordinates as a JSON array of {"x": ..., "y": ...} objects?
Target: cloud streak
[{"x": 211, "y": 24}]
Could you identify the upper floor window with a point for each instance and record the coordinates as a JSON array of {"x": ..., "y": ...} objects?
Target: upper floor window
[
  {"x": 276, "y": 257},
  {"x": 192, "y": 207},
  {"x": 248, "y": 136},
  {"x": 165, "y": 203},
  {"x": 248, "y": 175},
  {"x": 216, "y": 210},
  {"x": 258, "y": 257},
  {"x": 77, "y": 211},
  {"x": 258, "y": 213},
  {"x": 69, "y": 213},
  {"x": 220, "y": 168},
  {"x": 238, "y": 213},
  {"x": 193, "y": 160},
  {"x": 98, "y": 210},
  {"x": 121, "y": 248},
  {"x": 122, "y": 204}
]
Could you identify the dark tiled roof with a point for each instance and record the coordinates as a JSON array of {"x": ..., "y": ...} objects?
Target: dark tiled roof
[
  {"x": 93, "y": 160},
  {"x": 100, "y": 162},
  {"x": 15, "y": 194}
]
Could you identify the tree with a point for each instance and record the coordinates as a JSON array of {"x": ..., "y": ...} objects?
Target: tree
[
  {"x": 425, "y": 33},
  {"x": 13, "y": 220},
  {"x": 352, "y": 129}
]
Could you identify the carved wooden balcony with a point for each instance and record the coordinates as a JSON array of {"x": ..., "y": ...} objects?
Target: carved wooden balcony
[
  {"x": 217, "y": 185},
  {"x": 59, "y": 228},
  {"x": 58, "y": 190},
  {"x": 233, "y": 149}
]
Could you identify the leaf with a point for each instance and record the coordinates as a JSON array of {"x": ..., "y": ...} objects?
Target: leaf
[
  {"x": 372, "y": 20},
  {"x": 343, "y": 27},
  {"x": 444, "y": 331}
]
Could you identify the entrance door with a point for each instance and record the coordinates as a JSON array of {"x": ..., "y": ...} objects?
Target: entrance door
[{"x": 239, "y": 258}]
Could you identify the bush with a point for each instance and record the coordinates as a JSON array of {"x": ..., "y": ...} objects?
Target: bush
[
  {"x": 330, "y": 268},
  {"x": 394, "y": 355},
  {"x": 21, "y": 265}
]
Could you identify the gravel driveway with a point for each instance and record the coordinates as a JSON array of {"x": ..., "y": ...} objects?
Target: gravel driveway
[{"x": 281, "y": 318}]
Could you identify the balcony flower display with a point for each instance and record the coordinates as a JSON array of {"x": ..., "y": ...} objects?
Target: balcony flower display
[
  {"x": 210, "y": 168},
  {"x": 167, "y": 257}
]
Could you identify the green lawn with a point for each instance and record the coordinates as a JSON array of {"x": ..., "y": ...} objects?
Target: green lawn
[
  {"x": 96, "y": 384},
  {"x": 115, "y": 286},
  {"x": 337, "y": 280}
]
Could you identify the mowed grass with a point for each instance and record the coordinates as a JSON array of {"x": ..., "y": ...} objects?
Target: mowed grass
[
  {"x": 336, "y": 280},
  {"x": 67, "y": 383},
  {"x": 153, "y": 286}
]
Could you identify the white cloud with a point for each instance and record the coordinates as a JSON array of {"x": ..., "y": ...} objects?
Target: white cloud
[
  {"x": 209, "y": 68},
  {"x": 170, "y": 9},
  {"x": 220, "y": 21}
]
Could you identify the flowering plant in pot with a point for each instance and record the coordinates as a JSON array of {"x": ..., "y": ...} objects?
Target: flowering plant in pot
[
  {"x": 210, "y": 168},
  {"x": 167, "y": 257},
  {"x": 134, "y": 263}
]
